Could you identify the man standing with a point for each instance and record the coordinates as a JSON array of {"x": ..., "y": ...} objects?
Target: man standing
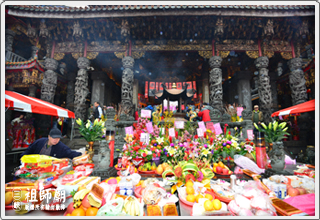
[
  {"x": 51, "y": 146},
  {"x": 257, "y": 117},
  {"x": 98, "y": 111}
]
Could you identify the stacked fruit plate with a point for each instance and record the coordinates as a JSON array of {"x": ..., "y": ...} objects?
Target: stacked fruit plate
[{"x": 221, "y": 169}]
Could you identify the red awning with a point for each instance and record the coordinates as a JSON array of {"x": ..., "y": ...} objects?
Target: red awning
[
  {"x": 23, "y": 103},
  {"x": 300, "y": 108}
]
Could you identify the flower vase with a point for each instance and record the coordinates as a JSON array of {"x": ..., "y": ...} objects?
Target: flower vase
[
  {"x": 90, "y": 151},
  {"x": 156, "y": 160}
]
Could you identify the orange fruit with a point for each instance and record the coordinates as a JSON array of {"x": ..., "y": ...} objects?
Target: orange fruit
[
  {"x": 159, "y": 170},
  {"x": 190, "y": 190},
  {"x": 82, "y": 207},
  {"x": 189, "y": 183},
  {"x": 199, "y": 196},
  {"x": 92, "y": 211},
  {"x": 216, "y": 204},
  {"x": 221, "y": 164},
  {"x": 68, "y": 214},
  {"x": 191, "y": 198},
  {"x": 215, "y": 164},
  {"x": 208, "y": 196},
  {"x": 215, "y": 169},
  {"x": 78, "y": 212},
  {"x": 208, "y": 205},
  {"x": 9, "y": 198}
]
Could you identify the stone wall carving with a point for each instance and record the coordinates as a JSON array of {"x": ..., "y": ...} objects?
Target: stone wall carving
[
  {"x": 127, "y": 85},
  {"x": 81, "y": 88},
  {"x": 215, "y": 80},
  {"x": 264, "y": 91},
  {"x": 297, "y": 81},
  {"x": 49, "y": 82}
]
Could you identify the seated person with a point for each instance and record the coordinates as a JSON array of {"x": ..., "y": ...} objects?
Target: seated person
[{"x": 51, "y": 146}]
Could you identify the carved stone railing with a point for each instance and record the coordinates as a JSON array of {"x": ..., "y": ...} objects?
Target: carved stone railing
[{"x": 12, "y": 57}]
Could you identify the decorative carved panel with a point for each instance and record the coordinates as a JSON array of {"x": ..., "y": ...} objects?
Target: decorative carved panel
[
  {"x": 224, "y": 54},
  {"x": 286, "y": 55},
  {"x": 58, "y": 56},
  {"x": 205, "y": 54},
  {"x": 253, "y": 54}
]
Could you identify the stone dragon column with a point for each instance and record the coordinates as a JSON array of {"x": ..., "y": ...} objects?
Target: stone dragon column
[
  {"x": 81, "y": 88},
  {"x": 215, "y": 82},
  {"x": 127, "y": 85},
  {"x": 49, "y": 82},
  {"x": 297, "y": 81},
  {"x": 299, "y": 95},
  {"x": 264, "y": 90}
]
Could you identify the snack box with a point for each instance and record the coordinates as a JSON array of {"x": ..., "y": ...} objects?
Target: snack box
[
  {"x": 154, "y": 210},
  {"x": 170, "y": 209}
]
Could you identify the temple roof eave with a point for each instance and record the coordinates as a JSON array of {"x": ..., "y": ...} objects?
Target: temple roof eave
[{"x": 274, "y": 11}]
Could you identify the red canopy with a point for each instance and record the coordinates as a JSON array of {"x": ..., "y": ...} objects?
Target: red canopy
[
  {"x": 24, "y": 103},
  {"x": 300, "y": 108}
]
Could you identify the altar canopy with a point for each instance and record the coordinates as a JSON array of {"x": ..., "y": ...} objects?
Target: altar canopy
[
  {"x": 23, "y": 103},
  {"x": 174, "y": 94},
  {"x": 300, "y": 108}
]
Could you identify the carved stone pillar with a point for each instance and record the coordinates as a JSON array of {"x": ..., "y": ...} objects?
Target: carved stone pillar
[
  {"x": 264, "y": 91},
  {"x": 135, "y": 92},
  {"x": 70, "y": 91},
  {"x": 9, "y": 39},
  {"x": 274, "y": 92},
  {"x": 34, "y": 51},
  {"x": 81, "y": 88},
  {"x": 243, "y": 87},
  {"x": 127, "y": 84},
  {"x": 297, "y": 81},
  {"x": 215, "y": 81},
  {"x": 205, "y": 88},
  {"x": 49, "y": 82}
]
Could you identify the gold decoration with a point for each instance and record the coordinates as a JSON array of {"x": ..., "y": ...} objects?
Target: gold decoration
[
  {"x": 224, "y": 54},
  {"x": 34, "y": 78},
  {"x": 253, "y": 54},
  {"x": 205, "y": 54},
  {"x": 269, "y": 54},
  {"x": 77, "y": 55},
  {"x": 137, "y": 54},
  {"x": 168, "y": 119},
  {"x": 92, "y": 55},
  {"x": 58, "y": 56},
  {"x": 286, "y": 55},
  {"x": 119, "y": 55}
]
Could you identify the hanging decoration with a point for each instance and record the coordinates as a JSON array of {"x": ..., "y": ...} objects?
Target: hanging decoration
[{"x": 253, "y": 54}]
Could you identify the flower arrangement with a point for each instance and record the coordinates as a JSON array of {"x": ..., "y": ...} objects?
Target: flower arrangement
[
  {"x": 274, "y": 131},
  {"x": 91, "y": 131}
]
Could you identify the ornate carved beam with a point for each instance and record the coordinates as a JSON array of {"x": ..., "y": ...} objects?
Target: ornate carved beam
[{"x": 226, "y": 45}]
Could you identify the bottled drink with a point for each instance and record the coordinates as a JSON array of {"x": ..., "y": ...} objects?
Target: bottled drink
[{"x": 120, "y": 161}]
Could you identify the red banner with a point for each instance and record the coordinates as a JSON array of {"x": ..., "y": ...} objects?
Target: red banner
[
  {"x": 160, "y": 86},
  {"x": 170, "y": 85},
  {"x": 195, "y": 88},
  {"x": 152, "y": 85},
  {"x": 146, "y": 90},
  {"x": 167, "y": 85},
  {"x": 179, "y": 85},
  {"x": 189, "y": 85},
  {"x": 157, "y": 87}
]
